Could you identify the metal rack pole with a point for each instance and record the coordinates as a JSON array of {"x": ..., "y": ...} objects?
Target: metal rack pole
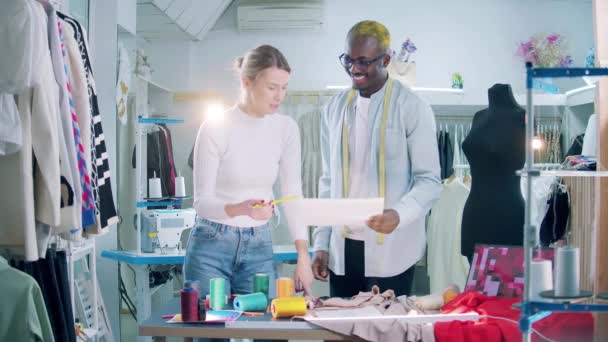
[
  {"x": 138, "y": 177},
  {"x": 529, "y": 231}
]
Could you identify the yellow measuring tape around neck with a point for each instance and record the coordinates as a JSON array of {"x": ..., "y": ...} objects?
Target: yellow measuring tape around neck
[{"x": 381, "y": 160}]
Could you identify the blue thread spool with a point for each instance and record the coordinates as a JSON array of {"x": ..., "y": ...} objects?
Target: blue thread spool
[{"x": 251, "y": 302}]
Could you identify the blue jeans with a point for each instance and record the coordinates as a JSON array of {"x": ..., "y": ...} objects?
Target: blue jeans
[{"x": 236, "y": 254}]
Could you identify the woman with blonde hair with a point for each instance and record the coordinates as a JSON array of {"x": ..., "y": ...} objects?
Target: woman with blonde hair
[{"x": 236, "y": 162}]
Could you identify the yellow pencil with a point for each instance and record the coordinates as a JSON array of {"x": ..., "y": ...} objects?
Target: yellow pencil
[{"x": 285, "y": 199}]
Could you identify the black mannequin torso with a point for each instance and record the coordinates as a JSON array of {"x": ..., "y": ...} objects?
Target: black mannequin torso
[{"x": 495, "y": 148}]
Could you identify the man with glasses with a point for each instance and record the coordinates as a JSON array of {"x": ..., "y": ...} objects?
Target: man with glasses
[{"x": 377, "y": 140}]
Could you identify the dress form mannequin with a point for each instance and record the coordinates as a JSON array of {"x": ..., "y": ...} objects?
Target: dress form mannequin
[{"x": 495, "y": 148}]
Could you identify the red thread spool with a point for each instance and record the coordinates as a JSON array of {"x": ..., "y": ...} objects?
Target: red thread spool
[{"x": 189, "y": 302}]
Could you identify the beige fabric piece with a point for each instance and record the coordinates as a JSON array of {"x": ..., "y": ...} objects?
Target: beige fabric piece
[
  {"x": 376, "y": 330},
  {"x": 374, "y": 297}
]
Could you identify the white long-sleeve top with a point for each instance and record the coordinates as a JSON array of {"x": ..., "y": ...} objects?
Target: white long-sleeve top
[{"x": 239, "y": 158}]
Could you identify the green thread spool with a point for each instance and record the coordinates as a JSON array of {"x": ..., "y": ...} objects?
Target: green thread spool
[
  {"x": 251, "y": 302},
  {"x": 217, "y": 292},
  {"x": 261, "y": 283}
]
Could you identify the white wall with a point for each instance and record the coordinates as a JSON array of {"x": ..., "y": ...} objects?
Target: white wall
[
  {"x": 127, "y": 15},
  {"x": 476, "y": 38}
]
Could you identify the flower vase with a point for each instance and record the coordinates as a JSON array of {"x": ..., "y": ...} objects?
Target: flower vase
[{"x": 404, "y": 72}]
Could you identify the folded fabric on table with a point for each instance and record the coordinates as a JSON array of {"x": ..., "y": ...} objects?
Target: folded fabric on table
[{"x": 373, "y": 304}]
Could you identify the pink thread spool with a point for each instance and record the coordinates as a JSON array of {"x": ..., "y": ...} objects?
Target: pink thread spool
[{"x": 189, "y": 302}]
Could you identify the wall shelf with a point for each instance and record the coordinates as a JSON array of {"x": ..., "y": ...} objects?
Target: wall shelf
[
  {"x": 154, "y": 84},
  {"x": 543, "y": 99},
  {"x": 581, "y": 96},
  {"x": 159, "y": 120},
  {"x": 459, "y": 97}
]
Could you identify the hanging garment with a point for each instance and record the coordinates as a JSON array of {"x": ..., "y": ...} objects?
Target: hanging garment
[
  {"x": 123, "y": 83},
  {"x": 10, "y": 125},
  {"x": 459, "y": 157},
  {"x": 32, "y": 175},
  {"x": 169, "y": 145},
  {"x": 88, "y": 205},
  {"x": 556, "y": 145},
  {"x": 542, "y": 188},
  {"x": 191, "y": 158},
  {"x": 445, "y": 264},
  {"x": 45, "y": 137},
  {"x": 79, "y": 90},
  {"x": 551, "y": 151},
  {"x": 555, "y": 222},
  {"x": 440, "y": 142},
  {"x": 590, "y": 139},
  {"x": 457, "y": 160},
  {"x": 158, "y": 161},
  {"x": 577, "y": 146},
  {"x": 105, "y": 208},
  {"x": 71, "y": 191},
  {"x": 23, "y": 317},
  {"x": 22, "y": 45},
  {"x": 51, "y": 275},
  {"x": 446, "y": 154},
  {"x": 63, "y": 282},
  {"x": 311, "y": 153}
]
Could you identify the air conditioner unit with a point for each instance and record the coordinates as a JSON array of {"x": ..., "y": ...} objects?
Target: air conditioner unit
[{"x": 280, "y": 15}]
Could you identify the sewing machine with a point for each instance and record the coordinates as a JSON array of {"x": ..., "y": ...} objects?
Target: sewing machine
[{"x": 162, "y": 228}]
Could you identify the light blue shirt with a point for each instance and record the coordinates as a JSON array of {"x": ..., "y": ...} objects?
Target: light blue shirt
[{"x": 413, "y": 181}]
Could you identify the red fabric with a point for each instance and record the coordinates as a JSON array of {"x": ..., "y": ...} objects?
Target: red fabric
[{"x": 558, "y": 327}]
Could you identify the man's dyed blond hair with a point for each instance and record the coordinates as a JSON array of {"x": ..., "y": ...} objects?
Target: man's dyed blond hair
[{"x": 370, "y": 28}]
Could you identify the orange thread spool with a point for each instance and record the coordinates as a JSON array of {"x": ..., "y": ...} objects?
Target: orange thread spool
[{"x": 284, "y": 287}]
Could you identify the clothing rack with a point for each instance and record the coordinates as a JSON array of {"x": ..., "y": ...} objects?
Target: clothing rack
[
  {"x": 49, "y": 240},
  {"x": 453, "y": 117}
]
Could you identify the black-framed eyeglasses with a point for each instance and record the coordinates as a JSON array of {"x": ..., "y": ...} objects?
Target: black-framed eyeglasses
[{"x": 362, "y": 63}]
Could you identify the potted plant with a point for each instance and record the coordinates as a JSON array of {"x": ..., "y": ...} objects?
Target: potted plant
[{"x": 457, "y": 81}]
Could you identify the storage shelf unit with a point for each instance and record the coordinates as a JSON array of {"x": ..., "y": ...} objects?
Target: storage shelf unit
[
  {"x": 562, "y": 173},
  {"x": 580, "y": 96},
  {"x": 143, "y": 121},
  {"x": 534, "y": 311}
]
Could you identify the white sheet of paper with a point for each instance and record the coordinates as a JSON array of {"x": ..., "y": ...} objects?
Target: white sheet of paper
[
  {"x": 339, "y": 315},
  {"x": 366, "y": 311},
  {"x": 340, "y": 211}
]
